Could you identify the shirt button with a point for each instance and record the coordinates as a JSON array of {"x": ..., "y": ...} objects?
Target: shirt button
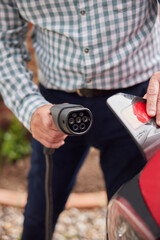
[
  {"x": 83, "y": 12},
  {"x": 86, "y": 50}
]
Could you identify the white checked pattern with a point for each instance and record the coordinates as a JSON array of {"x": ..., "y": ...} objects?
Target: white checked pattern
[{"x": 79, "y": 44}]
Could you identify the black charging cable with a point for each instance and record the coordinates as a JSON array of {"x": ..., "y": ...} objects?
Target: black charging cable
[
  {"x": 48, "y": 192},
  {"x": 73, "y": 120}
]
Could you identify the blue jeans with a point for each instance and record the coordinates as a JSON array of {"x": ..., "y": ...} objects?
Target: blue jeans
[{"x": 120, "y": 159}]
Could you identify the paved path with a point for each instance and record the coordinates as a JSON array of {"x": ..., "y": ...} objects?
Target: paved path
[{"x": 73, "y": 224}]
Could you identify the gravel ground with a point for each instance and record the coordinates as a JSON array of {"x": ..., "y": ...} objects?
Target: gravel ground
[{"x": 73, "y": 224}]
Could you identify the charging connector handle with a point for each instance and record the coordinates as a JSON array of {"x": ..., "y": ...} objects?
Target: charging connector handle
[{"x": 71, "y": 119}]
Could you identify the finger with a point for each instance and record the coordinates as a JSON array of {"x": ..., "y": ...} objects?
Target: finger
[
  {"x": 152, "y": 95},
  {"x": 52, "y": 145},
  {"x": 50, "y": 136},
  {"x": 158, "y": 111},
  {"x": 52, "y": 133},
  {"x": 49, "y": 141},
  {"x": 54, "y": 138}
]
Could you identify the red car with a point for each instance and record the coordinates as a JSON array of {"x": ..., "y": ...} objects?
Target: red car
[{"x": 134, "y": 211}]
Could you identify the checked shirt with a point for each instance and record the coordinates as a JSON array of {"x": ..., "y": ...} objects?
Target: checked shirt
[{"x": 78, "y": 44}]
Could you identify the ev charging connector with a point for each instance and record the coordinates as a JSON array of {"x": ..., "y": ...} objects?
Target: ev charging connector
[{"x": 73, "y": 120}]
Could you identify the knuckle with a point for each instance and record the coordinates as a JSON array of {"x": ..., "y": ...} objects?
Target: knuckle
[{"x": 37, "y": 114}]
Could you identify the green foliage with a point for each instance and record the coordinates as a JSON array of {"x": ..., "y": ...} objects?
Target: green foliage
[{"x": 14, "y": 142}]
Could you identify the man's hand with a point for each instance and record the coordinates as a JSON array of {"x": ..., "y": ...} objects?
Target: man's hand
[
  {"x": 153, "y": 97},
  {"x": 44, "y": 130}
]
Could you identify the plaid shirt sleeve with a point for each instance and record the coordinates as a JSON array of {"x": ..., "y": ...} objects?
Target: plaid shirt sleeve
[{"x": 19, "y": 92}]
